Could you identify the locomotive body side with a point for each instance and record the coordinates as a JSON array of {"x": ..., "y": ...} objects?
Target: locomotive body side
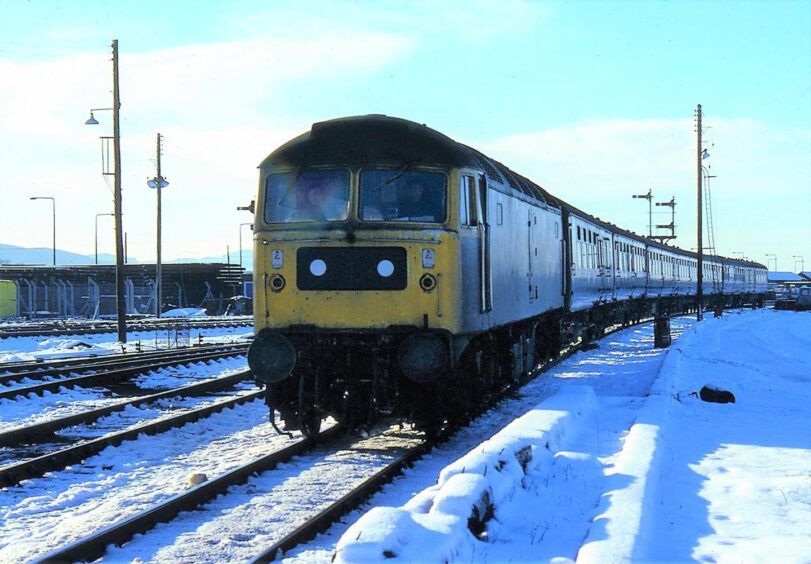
[{"x": 511, "y": 259}]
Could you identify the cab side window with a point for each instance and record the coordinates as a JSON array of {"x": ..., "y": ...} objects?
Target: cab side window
[{"x": 468, "y": 214}]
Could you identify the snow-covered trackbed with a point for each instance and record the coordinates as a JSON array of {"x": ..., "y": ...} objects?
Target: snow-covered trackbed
[{"x": 620, "y": 462}]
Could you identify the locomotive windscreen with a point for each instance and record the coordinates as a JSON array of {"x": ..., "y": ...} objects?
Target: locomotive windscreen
[
  {"x": 402, "y": 195},
  {"x": 313, "y": 195}
]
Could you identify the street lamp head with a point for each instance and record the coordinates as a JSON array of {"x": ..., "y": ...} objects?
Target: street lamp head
[{"x": 92, "y": 120}]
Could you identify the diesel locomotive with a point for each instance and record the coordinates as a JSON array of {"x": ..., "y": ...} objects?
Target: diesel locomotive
[{"x": 400, "y": 273}]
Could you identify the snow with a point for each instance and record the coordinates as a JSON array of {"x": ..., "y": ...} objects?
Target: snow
[
  {"x": 608, "y": 457},
  {"x": 687, "y": 480},
  {"x": 18, "y": 349},
  {"x": 185, "y": 312}
]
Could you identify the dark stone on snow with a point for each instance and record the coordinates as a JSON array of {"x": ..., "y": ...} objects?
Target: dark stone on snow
[{"x": 716, "y": 396}]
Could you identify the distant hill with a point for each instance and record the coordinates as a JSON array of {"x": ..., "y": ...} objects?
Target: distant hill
[{"x": 10, "y": 254}]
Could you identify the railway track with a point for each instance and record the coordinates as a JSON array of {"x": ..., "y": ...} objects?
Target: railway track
[
  {"x": 115, "y": 375},
  {"x": 32, "y": 368},
  {"x": 57, "y": 460},
  {"x": 60, "y": 328},
  {"x": 95, "y": 545},
  {"x": 119, "y": 366},
  {"x": 46, "y": 429}
]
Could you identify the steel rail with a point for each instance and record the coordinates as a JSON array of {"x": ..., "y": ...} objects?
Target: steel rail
[
  {"x": 42, "y": 330},
  {"x": 78, "y": 364},
  {"x": 330, "y": 514},
  {"x": 13, "y": 474},
  {"x": 110, "y": 376},
  {"x": 93, "y": 546},
  {"x": 39, "y": 431}
]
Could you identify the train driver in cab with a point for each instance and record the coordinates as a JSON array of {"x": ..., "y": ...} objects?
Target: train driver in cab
[
  {"x": 320, "y": 201},
  {"x": 414, "y": 204}
]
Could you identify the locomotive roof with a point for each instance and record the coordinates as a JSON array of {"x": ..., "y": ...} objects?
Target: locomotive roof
[
  {"x": 373, "y": 138},
  {"x": 377, "y": 138}
]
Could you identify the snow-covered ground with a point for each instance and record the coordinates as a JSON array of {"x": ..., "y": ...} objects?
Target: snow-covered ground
[
  {"x": 608, "y": 457},
  {"x": 622, "y": 462},
  {"x": 17, "y": 349}
]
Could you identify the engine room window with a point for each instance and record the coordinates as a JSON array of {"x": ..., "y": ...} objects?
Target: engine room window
[
  {"x": 394, "y": 195},
  {"x": 313, "y": 195}
]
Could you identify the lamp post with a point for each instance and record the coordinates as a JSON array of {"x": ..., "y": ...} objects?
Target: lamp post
[
  {"x": 769, "y": 260},
  {"x": 98, "y": 215},
  {"x": 802, "y": 262},
  {"x": 159, "y": 182},
  {"x": 119, "y": 230},
  {"x": 53, "y": 202},
  {"x": 241, "y": 225}
]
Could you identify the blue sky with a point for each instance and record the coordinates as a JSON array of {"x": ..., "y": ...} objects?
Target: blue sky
[{"x": 592, "y": 100}]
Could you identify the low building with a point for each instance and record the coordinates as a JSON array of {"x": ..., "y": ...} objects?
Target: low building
[{"x": 90, "y": 291}]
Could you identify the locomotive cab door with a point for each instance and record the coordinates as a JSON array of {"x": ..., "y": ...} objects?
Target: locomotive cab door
[
  {"x": 484, "y": 245},
  {"x": 474, "y": 221}
]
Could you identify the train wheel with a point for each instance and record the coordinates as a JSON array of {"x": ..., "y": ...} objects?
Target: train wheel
[{"x": 311, "y": 425}]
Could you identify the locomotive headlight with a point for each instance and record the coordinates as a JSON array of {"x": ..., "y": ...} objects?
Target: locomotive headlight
[
  {"x": 277, "y": 283},
  {"x": 427, "y": 282},
  {"x": 428, "y": 258},
  {"x": 385, "y": 268},
  {"x": 318, "y": 267}
]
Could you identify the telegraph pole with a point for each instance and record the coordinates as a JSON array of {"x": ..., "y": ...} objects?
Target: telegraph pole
[
  {"x": 700, "y": 242},
  {"x": 119, "y": 229}
]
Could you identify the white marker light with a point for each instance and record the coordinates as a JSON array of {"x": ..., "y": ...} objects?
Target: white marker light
[
  {"x": 385, "y": 268},
  {"x": 318, "y": 267}
]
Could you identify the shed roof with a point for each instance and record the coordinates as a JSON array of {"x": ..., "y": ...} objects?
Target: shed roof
[{"x": 784, "y": 277}]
